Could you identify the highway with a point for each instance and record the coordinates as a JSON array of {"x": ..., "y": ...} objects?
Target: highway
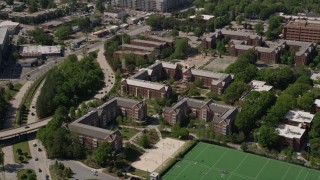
[{"x": 13, "y": 132}]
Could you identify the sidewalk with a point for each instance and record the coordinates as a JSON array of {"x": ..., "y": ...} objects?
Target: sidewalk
[{"x": 14, "y": 105}]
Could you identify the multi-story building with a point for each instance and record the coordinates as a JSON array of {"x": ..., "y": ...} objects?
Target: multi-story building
[
  {"x": 40, "y": 51},
  {"x": 292, "y": 136},
  {"x": 251, "y": 39},
  {"x": 316, "y": 106},
  {"x": 91, "y": 128},
  {"x": 217, "y": 82},
  {"x": 13, "y": 27},
  {"x": 298, "y": 118},
  {"x": 222, "y": 116},
  {"x": 149, "y": 5},
  {"x": 115, "y": 13},
  {"x": 302, "y": 31},
  {"x": 304, "y": 51},
  {"x": 4, "y": 43},
  {"x": 145, "y": 89}
]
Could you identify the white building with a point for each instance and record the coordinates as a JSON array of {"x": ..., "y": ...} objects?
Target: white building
[
  {"x": 299, "y": 118},
  {"x": 115, "y": 14},
  {"x": 260, "y": 86},
  {"x": 13, "y": 27},
  {"x": 204, "y": 17},
  {"x": 38, "y": 51}
]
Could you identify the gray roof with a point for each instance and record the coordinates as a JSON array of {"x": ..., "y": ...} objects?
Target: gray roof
[
  {"x": 89, "y": 130},
  {"x": 3, "y": 35},
  {"x": 209, "y": 74},
  {"x": 148, "y": 42},
  {"x": 148, "y": 84},
  {"x": 143, "y": 48}
]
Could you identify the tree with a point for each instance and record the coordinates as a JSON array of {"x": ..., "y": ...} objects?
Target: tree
[
  {"x": 100, "y": 6},
  {"x": 315, "y": 128},
  {"x": 179, "y": 132},
  {"x": 193, "y": 91},
  {"x": 143, "y": 141},
  {"x": 267, "y": 136},
  {"x": 182, "y": 49},
  {"x": 198, "y": 82},
  {"x": 234, "y": 91},
  {"x": 305, "y": 101},
  {"x": 274, "y": 28},
  {"x": 63, "y": 32},
  {"x": 259, "y": 28},
  {"x": 155, "y": 22},
  {"x": 9, "y": 2},
  {"x": 33, "y": 7},
  {"x": 198, "y": 32},
  {"x": 44, "y": 3},
  {"x": 103, "y": 153}
]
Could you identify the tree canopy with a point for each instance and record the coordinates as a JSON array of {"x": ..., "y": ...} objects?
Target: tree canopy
[{"x": 72, "y": 78}]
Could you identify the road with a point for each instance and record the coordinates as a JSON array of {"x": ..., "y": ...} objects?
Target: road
[
  {"x": 43, "y": 162},
  {"x": 32, "y": 115},
  {"x": 8, "y": 133},
  {"x": 109, "y": 78},
  {"x": 83, "y": 172}
]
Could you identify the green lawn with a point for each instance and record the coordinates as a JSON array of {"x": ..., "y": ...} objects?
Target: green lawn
[
  {"x": 128, "y": 133},
  {"x": 24, "y": 146},
  {"x": 207, "y": 161},
  {"x": 26, "y": 174}
]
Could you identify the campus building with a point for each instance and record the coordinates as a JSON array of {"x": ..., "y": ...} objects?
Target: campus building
[
  {"x": 149, "y": 5},
  {"x": 316, "y": 106},
  {"x": 217, "y": 82},
  {"x": 4, "y": 43},
  {"x": 292, "y": 136},
  {"x": 301, "y": 30},
  {"x": 304, "y": 51},
  {"x": 251, "y": 39},
  {"x": 294, "y": 128},
  {"x": 13, "y": 27},
  {"x": 40, "y": 51},
  {"x": 260, "y": 86},
  {"x": 222, "y": 116},
  {"x": 298, "y": 118},
  {"x": 91, "y": 128}
]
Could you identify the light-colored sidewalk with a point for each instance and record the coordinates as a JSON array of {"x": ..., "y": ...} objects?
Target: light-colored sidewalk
[
  {"x": 14, "y": 105},
  {"x": 34, "y": 118},
  {"x": 11, "y": 168}
]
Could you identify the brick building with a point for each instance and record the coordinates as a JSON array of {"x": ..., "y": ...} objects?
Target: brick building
[
  {"x": 217, "y": 82},
  {"x": 91, "y": 128},
  {"x": 145, "y": 89},
  {"x": 294, "y": 128},
  {"x": 222, "y": 116},
  {"x": 304, "y": 51},
  {"x": 299, "y": 118},
  {"x": 251, "y": 39},
  {"x": 302, "y": 31},
  {"x": 292, "y": 136}
]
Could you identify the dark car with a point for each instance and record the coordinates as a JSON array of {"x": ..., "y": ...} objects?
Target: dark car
[
  {"x": 26, "y": 127},
  {"x": 39, "y": 170},
  {"x": 39, "y": 149}
]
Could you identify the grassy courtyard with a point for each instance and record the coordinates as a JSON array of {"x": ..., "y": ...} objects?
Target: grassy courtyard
[
  {"x": 225, "y": 163},
  {"x": 21, "y": 152},
  {"x": 26, "y": 174},
  {"x": 128, "y": 133}
]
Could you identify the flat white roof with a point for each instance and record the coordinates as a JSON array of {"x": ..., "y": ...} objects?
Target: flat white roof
[
  {"x": 204, "y": 17},
  {"x": 260, "y": 86},
  {"x": 8, "y": 23},
  {"x": 40, "y": 49},
  {"x": 289, "y": 131},
  {"x": 317, "y": 102},
  {"x": 299, "y": 116},
  {"x": 315, "y": 76}
]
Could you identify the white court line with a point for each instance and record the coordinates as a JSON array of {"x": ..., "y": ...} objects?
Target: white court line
[
  {"x": 239, "y": 165},
  {"x": 286, "y": 172},
  {"x": 299, "y": 172},
  {"x": 262, "y": 168},
  {"x": 216, "y": 162},
  {"x": 191, "y": 161}
]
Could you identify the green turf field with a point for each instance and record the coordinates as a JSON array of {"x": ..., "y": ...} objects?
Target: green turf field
[{"x": 211, "y": 162}]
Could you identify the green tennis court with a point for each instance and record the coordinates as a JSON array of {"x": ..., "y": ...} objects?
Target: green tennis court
[{"x": 207, "y": 161}]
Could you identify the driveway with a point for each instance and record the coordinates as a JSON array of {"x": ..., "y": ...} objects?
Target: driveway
[{"x": 83, "y": 172}]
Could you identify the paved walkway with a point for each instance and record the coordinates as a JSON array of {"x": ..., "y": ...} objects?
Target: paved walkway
[
  {"x": 14, "y": 105},
  {"x": 34, "y": 118},
  {"x": 11, "y": 167}
]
